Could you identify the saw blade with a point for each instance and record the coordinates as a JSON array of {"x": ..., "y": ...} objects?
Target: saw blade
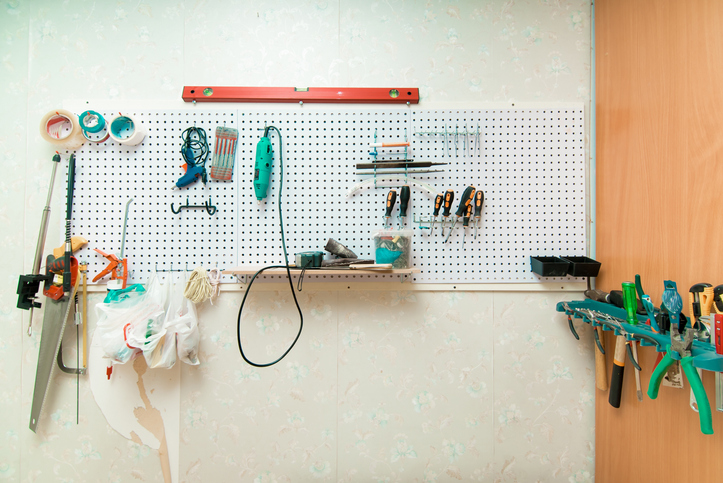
[{"x": 54, "y": 320}]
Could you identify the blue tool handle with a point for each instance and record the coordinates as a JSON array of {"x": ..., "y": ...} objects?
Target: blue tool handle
[
  {"x": 658, "y": 375},
  {"x": 701, "y": 398},
  {"x": 192, "y": 172}
]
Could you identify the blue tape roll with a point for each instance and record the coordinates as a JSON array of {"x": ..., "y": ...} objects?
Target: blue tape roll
[
  {"x": 122, "y": 128},
  {"x": 91, "y": 115}
]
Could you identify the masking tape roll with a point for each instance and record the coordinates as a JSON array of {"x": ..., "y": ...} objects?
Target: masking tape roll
[
  {"x": 124, "y": 130},
  {"x": 61, "y": 128}
]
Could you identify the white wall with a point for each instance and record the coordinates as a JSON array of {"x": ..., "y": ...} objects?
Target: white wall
[{"x": 399, "y": 386}]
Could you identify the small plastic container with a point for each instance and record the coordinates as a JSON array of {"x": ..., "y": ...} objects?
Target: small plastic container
[
  {"x": 393, "y": 246},
  {"x": 582, "y": 266},
  {"x": 549, "y": 266}
]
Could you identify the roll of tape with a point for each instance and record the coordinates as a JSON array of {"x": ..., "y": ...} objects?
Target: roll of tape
[
  {"x": 91, "y": 121},
  {"x": 61, "y": 128},
  {"x": 124, "y": 130}
]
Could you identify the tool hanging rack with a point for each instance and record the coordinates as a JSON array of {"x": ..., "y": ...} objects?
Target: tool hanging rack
[{"x": 611, "y": 318}]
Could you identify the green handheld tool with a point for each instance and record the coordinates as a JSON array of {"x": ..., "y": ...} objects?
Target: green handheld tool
[
  {"x": 262, "y": 168},
  {"x": 630, "y": 302}
]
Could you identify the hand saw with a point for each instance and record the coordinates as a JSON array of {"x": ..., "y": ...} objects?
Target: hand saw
[{"x": 56, "y": 316}]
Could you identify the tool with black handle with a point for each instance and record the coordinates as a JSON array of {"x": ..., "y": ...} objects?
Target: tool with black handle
[
  {"x": 391, "y": 200},
  {"x": 464, "y": 201},
  {"x": 447, "y": 210},
  {"x": 404, "y": 195},
  {"x": 437, "y": 206},
  {"x": 479, "y": 201},
  {"x": 68, "y": 217}
]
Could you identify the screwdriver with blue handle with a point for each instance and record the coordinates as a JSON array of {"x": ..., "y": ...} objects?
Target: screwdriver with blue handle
[
  {"x": 464, "y": 201},
  {"x": 437, "y": 205}
]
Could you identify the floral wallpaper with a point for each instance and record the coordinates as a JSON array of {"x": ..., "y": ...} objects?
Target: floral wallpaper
[{"x": 382, "y": 386}]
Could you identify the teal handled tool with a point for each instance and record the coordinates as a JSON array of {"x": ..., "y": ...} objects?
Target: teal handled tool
[
  {"x": 389, "y": 205},
  {"x": 680, "y": 349},
  {"x": 262, "y": 167},
  {"x": 195, "y": 153}
]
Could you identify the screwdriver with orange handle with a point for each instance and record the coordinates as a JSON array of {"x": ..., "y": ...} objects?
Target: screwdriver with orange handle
[
  {"x": 465, "y": 222},
  {"x": 435, "y": 213},
  {"x": 391, "y": 200},
  {"x": 464, "y": 201},
  {"x": 479, "y": 200},
  {"x": 448, "y": 199}
]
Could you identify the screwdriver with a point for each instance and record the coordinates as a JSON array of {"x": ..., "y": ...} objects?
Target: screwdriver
[
  {"x": 467, "y": 197},
  {"x": 465, "y": 221},
  {"x": 448, "y": 199},
  {"x": 391, "y": 199},
  {"x": 435, "y": 213},
  {"x": 479, "y": 200},
  {"x": 404, "y": 194}
]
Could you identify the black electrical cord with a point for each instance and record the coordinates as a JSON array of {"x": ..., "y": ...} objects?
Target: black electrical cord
[
  {"x": 195, "y": 146},
  {"x": 286, "y": 266}
]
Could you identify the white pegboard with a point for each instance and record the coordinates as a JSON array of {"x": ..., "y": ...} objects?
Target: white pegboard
[
  {"x": 108, "y": 174},
  {"x": 529, "y": 162}
]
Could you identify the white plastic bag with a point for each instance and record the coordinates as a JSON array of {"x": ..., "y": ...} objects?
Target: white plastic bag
[
  {"x": 163, "y": 355},
  {"x": 184, "y": 320},
  {"x": 131, "y": 320}
]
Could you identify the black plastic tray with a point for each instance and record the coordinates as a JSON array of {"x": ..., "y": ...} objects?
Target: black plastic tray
[
  {"x": 549, "y": 266},
  {"x": 582, "y": 266}
]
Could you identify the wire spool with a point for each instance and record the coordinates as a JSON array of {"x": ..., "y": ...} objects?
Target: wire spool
[
  {"x": 61, "y": 128},
  {"x": 126, "y": 131}
]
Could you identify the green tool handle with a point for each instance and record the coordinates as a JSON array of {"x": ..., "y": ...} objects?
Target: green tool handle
[
  {"x": 658, "y": 374},
  {"x": 696, "y": 385},
  {"x": 465, "y": 200},
  {"x": 630, "y": 302}
]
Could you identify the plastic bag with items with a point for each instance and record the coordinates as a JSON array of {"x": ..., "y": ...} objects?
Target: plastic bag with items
[{"x": 131, "y": 320}]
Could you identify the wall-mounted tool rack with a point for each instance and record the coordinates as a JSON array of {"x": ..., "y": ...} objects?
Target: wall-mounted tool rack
[
  {"x": 612, "y": 318},
  {"x": 529, "y": 162}
]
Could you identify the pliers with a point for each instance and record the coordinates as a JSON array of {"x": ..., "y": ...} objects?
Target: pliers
[
  {"x": 115, "y": 265},
  {"x": 680, "y": 349}
]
